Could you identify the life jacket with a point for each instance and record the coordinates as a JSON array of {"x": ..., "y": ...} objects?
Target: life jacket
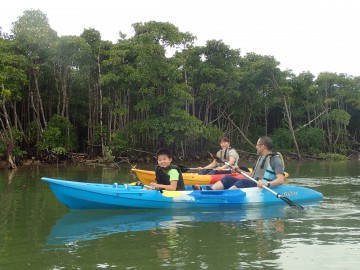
[
  {"x": 225, "y": 155},
  {"x": 162, "y": 177},
  {"x": 263, "y": 170}
]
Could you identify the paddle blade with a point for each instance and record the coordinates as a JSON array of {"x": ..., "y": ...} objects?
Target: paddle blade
[
  {"x": 183, "y": 168},
  {"x": 244, "y": 169},
  {"x": 171, "y": 194},
  {"x": 216, "y": 158},
  {"x": 292, "y": 204}
]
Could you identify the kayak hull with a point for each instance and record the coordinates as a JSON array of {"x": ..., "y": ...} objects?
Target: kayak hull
[
  {"x": 80, "y": 195},
  {"x": 146, "y": 177}
]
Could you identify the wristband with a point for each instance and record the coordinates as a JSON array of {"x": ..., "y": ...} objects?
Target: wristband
[{"x": 268, "y": 184}]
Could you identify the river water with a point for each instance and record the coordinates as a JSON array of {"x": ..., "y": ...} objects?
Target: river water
[{"x": 38, "y": 232}]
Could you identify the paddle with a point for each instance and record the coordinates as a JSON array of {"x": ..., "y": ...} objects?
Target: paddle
[
  {"x": 285, "y": 199},
  {"x": 183, "y": 168}
]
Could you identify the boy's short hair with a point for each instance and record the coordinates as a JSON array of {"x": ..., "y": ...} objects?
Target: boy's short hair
[
  {"x": 163, "y": 151},
  {"x": 225, "y": 139}
]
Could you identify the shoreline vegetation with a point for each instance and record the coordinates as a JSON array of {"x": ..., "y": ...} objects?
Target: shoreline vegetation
[
  {"x": 61, "y": 96},
  {"x": 135, "y": 160}
]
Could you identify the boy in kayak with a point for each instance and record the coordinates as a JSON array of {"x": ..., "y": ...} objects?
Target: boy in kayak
[
  {"x": 268, "y": 169},
  {"x": 167, "y": 175},
  {"x": 227, "y": 154}
]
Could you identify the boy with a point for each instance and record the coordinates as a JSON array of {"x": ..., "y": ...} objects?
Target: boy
[{"x": 167, "y": 175}]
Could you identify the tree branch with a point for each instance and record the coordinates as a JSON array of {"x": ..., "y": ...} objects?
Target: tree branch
[
  {"x": 312, "y": 120},
  {"x": 241, "y": 132}
]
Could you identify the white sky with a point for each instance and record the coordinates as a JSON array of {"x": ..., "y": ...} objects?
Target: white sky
[{"x": 303, "y": 35}]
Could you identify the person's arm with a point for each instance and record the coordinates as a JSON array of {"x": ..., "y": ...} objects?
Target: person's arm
[
  {"x": 276, "y": 163},
  {"x": 171, "y": 187},
  {"x": 231, "y": 162},
  {"x": 233, "y": 157},
  {"x": 280, "y": 179},
  {"x": 212, "y": 165}
]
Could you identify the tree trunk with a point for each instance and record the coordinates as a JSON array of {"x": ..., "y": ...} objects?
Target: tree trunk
[
  {"x": 39, "y": 101},
  {"x": 90, "y": 121},
  {"x": 100, "y": 106},
  {"x": 265, "y": 118},
  {"x": 64, "y": 87},
  {"x": 288, "y": 116},
  {"x": 7, "y": 135}
]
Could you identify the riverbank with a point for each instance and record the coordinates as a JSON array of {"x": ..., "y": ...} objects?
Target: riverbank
[{"x": 133, "y": 159}]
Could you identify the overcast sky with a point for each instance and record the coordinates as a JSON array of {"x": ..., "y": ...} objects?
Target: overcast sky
[{"x": 303, "y": 35}]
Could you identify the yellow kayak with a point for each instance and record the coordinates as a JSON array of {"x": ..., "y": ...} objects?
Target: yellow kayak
[{"x": 146, "y": 177}]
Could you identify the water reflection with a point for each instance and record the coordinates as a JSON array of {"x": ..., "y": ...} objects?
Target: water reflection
[{"x": 83, "y": 225}]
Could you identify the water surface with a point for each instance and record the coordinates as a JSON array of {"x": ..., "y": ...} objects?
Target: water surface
[{"x": 37, "y": 232}]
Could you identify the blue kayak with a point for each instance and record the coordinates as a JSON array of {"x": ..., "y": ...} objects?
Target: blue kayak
[{"x": 80, "y": 195}]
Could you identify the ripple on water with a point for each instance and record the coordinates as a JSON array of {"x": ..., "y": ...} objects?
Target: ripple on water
[
  {"x": 328, "y": 224},
  {"x": 321, "y": 181},
  {"x": 319, "y": 256}
]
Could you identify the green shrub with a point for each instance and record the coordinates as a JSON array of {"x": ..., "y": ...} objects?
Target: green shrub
[
  {"x": 311, "y": 140},
  {"x": 108, "y": 155},
  {"x": 118, "y": 140},
  {"x": 58, "y": 137},
  {"x": 31, "y": 132},
  {"x": 332, "y": 156},
  {"x": 18, "y": 136},
  {"x": 340, "y": 148},
  {"x": 282, "y": 139}
]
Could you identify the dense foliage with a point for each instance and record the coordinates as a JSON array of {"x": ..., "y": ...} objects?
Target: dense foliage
[{"x": 81, "y": 93}]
